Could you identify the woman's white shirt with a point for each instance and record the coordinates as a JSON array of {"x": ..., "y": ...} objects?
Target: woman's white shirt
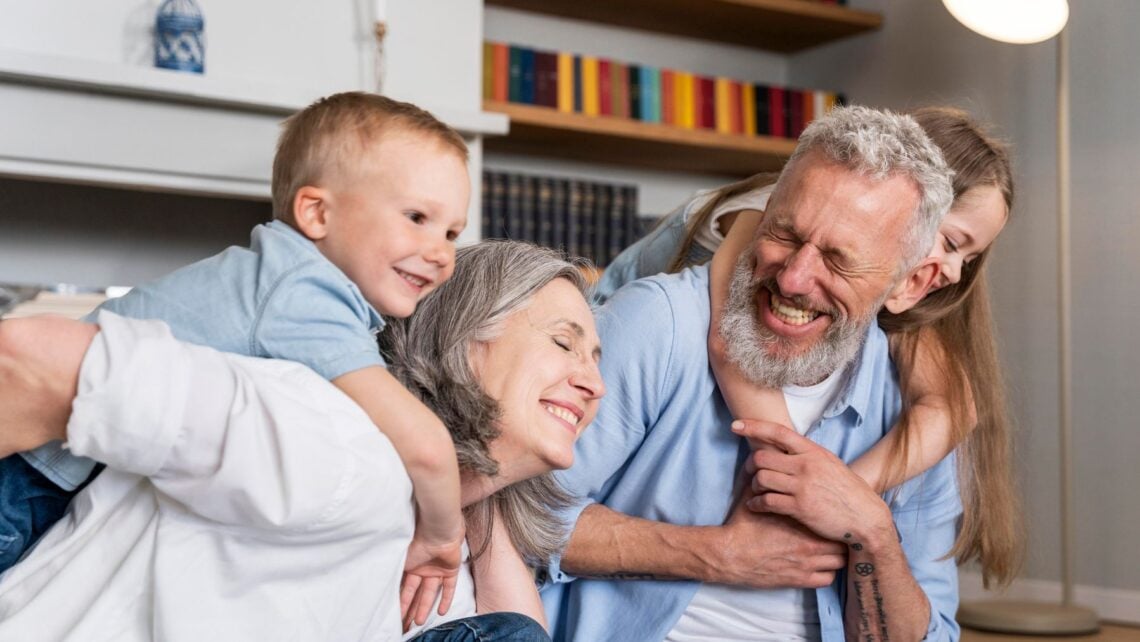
[{"x": 244, "y": 499}]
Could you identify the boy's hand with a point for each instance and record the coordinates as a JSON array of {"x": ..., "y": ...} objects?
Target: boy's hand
[
  {"x": 429, "y": 569},
  {"x": 39, "y": 374}
]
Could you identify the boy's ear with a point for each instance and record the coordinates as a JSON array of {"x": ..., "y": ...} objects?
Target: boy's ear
[
  {"x": 913, "y": 287},
  {"x": 311, "y": 212}
]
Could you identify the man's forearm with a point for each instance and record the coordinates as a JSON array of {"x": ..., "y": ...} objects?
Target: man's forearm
[
  {"x": 884, "y": 601},
  {"x": 608, "y": 544}
]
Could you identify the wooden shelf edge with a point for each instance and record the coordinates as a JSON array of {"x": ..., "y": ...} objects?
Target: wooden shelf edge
[
  {"x": 604, "y": 139},
  {"x": 784, "y": 26}
]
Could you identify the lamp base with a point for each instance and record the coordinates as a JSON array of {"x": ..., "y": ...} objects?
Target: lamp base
[{"x": 1041, "y": 618}]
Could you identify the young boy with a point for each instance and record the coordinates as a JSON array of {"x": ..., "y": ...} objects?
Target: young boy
[{"x": 369, "y": 196}]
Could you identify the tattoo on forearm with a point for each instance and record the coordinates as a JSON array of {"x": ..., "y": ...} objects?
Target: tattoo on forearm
[
  {"x": 866, "y": 569},
  {"x": 625, "y": 576},
  {"x": 856, "y": 545},
  {"x": 879, "y": 610},
  {"x": 864, "y": 622}
]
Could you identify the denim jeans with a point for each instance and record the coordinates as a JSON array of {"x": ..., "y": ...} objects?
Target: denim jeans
[
  {"x": 29, "y": 504},
  {"x": 497, "y": 627}
]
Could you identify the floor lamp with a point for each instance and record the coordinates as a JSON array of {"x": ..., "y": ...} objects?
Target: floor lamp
[{"x": 1022, "y": 22}]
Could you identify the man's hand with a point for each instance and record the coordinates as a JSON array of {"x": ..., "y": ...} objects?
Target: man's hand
[
  {"x": 773, "y": 551},
  {"x": 802, "y": 480},
  {"x": 39, "y": 373}
]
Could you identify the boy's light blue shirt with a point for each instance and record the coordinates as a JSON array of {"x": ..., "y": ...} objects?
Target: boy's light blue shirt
[
  {"x": 661, "y": 449},
  {"x": 280, "y": 298}
]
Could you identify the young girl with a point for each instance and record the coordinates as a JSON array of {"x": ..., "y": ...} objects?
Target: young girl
[{"x": 943, "y": 347}]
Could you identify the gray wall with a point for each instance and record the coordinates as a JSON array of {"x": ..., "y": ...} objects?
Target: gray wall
[{"x": 924, "y": 56}]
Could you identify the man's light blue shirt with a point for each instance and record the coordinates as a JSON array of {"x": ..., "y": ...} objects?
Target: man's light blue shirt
[
  {"x": 661, "y": 449},
  {"x": 280, "y": 298}
]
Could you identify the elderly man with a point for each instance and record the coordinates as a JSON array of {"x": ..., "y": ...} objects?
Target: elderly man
[{"x": 854, "y": 212}]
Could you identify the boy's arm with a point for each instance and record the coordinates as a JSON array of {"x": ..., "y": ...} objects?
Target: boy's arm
[
  {"x": 428, "y": 453},
  {"x": 929, "y": 424}
]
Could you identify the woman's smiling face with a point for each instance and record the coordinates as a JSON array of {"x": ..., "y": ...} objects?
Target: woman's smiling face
[{"x": 543, "y": 372}]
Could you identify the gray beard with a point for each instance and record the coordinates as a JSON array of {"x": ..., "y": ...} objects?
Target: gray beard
[{"x": 752, "y": 347}]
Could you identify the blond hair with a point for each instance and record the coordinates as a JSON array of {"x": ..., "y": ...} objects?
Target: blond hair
[{"x": 329, "y": 136}]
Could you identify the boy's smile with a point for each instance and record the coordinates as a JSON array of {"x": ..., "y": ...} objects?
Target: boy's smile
[{"x": 391, "y": 219}]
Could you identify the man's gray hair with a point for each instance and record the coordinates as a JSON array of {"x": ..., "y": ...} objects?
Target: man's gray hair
[
  {"x": 880, "y": 144},
  {"x": 429, "y": 352}
]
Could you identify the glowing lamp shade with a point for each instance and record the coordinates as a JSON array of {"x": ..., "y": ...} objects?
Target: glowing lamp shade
[{"x": 1016, "y": 21}]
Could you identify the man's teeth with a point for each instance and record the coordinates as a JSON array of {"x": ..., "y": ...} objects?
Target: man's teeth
[
  {"x": 562, "y": 413},
  {"x": 790, "y": 315},
  {"x": 414, "y": 280}
]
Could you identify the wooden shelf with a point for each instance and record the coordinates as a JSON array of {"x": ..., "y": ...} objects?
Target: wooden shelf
[
  {"x": 776, "y": 25},
  {"x": 543, "y": 131}
]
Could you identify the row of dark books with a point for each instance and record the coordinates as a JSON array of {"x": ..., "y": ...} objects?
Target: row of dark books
[
  {"x": 589, "y": 219},
  {"x": 594, "y": 86}
]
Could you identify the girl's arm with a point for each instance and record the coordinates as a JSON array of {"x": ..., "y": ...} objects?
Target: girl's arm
[
  {"x": 928, "y": 431},
  {"x": 745, "y": 400},
  {"x": 503, "y": 582}
]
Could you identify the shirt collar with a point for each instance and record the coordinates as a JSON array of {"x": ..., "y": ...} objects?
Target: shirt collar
[{"x": 863, "y": 380}]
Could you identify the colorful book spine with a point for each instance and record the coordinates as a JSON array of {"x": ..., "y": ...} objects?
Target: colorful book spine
[
  {"x": 501, "y": 53},
  {"x": 619, "y": 83},
  {"x": 666, "y": 97},
  {"x": 706, "y": 102},
  {"x": 650, "y": 96},
  {"x": 527, "y": 82},
  {"x": 488, "y": 70},
  {"x": 723, "y": 117},
  {"x": 565, "y": 72},
  {"x": 514, "y": 93},
  {"x": 591, "y": 103},
  {"x": 776, "y": 121},
  {"x": 546, "y": 78},
  {"x": 760, "y": 100},
  {"x": 736, "y": 116},
  {"x": 605, "y": 88},
  {"x": 748, "y": 108},
  {"x": 633, "y": 73},
  {"x": 685, "y": 100},
  {"x": 579, "y": 104}
]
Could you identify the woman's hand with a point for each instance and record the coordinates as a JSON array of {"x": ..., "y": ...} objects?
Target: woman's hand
[
  {"x": 39, "y": 374},
  {"x": 429, "y": 570}
]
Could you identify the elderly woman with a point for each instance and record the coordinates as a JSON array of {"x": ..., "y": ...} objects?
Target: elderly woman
[{"x": 249, "y": 499}]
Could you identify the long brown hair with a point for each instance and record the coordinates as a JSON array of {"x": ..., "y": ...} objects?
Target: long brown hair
[{"x": 956, "y": 323}]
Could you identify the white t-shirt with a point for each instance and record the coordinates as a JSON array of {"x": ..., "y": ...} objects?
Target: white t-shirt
[
  {"x": 244, "y": 499},
  {"x": 722, "y": 612}
]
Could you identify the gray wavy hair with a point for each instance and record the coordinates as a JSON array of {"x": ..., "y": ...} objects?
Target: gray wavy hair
[
  {"x": 429, "y": 353},
  {"x": 879, "y": 144}
]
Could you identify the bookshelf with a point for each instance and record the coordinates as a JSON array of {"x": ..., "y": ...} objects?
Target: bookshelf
[
  {"x": 603, "y": 139},
  {"x": 783, "y": 26}
]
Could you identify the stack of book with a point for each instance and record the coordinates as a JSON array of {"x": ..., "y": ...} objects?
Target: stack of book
[
  {"x": 594, "y": 86},
  {"x": 592, "y": 220}
]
